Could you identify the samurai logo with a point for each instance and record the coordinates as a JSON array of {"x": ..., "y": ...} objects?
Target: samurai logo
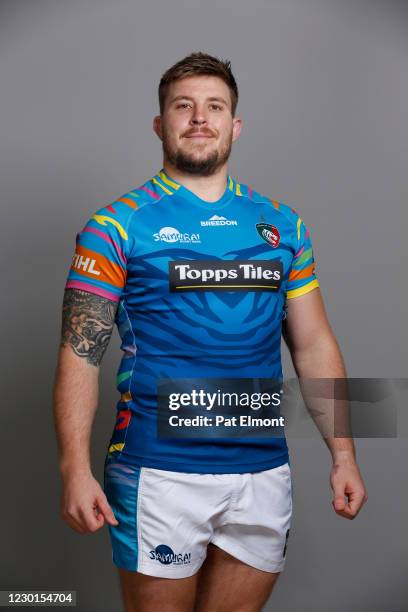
[
  {"x": 165, "y": 555},
  {"x": 269, "y": 233}
]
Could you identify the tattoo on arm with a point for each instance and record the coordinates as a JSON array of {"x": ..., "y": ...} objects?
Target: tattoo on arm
[{"x": 87, "y": 324}]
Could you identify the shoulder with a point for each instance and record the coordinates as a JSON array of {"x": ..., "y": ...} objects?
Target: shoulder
[
  {"x": 117, "y": 215},
  {"x": 259, "y": 198}
]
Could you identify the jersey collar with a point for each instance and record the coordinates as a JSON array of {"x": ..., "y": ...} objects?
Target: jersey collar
[{"x": 182, "y": 191}]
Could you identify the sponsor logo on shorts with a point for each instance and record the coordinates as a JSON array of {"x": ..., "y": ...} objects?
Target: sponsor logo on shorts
[
  {"x": 165, "y": 555},
  {"x": 171, "y": 234},
  {"x": 236, "y": 275},
  {"x": 269, "y": 233},
  {"x": 216, "y": 220}
]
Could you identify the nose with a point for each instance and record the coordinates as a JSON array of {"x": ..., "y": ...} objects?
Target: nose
[
  {"x": 198, "y": 121},
  {"x": 198, "y": 117}
]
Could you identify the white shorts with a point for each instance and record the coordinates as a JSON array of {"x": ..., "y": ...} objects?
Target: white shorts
[{"x": 167, "y": 519}]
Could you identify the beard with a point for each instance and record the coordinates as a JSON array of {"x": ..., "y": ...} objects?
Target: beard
[{"x": 199, "y": 166}]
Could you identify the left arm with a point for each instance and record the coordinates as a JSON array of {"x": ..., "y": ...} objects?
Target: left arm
[{"x": 316, "y": 354}]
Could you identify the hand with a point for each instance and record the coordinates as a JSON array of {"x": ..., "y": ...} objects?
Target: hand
[
  {"x": 84, "y": 506},
  {"x": 346, "y": 481}
]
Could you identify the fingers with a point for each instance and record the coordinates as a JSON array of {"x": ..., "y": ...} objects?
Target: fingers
[
  {"x": 106, "y": 510},
  {"x": 339, "y": 503},
  {"x": 75, "y": 525},
  {"x": 84, "y": 505},
  {"x": 356, "y": 501},
  {"x": 348, "y": 488},
  {"x": 83, "y": 520},
  {"x": 350, "y": 508},
  {"x": 90, "y": 520},
  {"x": 346, "y": 513}
]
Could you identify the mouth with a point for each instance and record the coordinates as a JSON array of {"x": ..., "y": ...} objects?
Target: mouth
[{"x": 198, "y": 136}]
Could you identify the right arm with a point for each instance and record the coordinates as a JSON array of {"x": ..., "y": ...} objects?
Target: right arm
[{"x": 87, "y": 324}]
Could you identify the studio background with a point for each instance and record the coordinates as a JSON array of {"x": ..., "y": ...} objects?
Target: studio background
[{"x": 324, "y": 99}]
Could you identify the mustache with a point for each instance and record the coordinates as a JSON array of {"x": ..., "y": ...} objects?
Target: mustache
[{"x": 204, "y": 131}]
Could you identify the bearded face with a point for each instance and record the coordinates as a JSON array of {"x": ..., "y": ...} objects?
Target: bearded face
[{"x": 197, "y": 129}]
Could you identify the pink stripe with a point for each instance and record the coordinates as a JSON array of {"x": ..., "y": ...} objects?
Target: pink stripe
[
  {"x": 73, "y": 284},
  {"x": 150, "y": 192},
  {"x": 250, "y": 192},
  {"x": 94, "y": 230},
  {"x": 300, "y": 251}
]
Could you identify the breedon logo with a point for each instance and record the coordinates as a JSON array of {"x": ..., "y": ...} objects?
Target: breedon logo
[
  {"x": 269, "y": 233},
  {"x": 213, "y": 275},
  {"x": 217, "y": 220}
]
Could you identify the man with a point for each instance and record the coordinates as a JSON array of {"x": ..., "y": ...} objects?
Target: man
[{"x": 199, "y": 272}]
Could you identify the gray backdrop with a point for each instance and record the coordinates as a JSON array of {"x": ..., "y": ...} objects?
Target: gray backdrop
[{"x": 324, "y": 99}]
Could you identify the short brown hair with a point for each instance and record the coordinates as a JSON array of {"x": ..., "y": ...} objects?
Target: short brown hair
[{"x": 195, "y": 64}]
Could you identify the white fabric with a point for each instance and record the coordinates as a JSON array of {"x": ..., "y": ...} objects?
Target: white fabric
[{"x": 178, "y": 514}]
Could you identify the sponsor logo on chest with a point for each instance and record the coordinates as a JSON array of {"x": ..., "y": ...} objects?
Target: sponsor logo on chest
[
  {"x": 171, "y": 235},
  {"x": 216, "y": 220},
  {"x": 213, "y": 275}
]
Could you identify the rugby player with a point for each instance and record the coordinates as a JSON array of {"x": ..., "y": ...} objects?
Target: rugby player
[{"x": 203, "y": 275}]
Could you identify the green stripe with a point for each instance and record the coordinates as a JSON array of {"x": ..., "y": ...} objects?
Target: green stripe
[
  {"x": 304, "y": 257},
  {"x": 121, "y": 377}
]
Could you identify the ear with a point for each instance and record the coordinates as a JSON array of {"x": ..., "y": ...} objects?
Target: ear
[
  {"x": 236, "y": 128},
  {"x": 157, "y": 126}
]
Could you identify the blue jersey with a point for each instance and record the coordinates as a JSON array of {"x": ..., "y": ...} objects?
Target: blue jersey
[{"x": 201, "y": 290}]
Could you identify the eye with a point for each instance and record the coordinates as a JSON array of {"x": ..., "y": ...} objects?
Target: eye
[
  {"x": 182, "y": 105},
  {"x": 216, "y": 106}
]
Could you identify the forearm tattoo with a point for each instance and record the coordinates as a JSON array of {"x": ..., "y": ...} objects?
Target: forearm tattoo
[{"x": 87, "y": 324}]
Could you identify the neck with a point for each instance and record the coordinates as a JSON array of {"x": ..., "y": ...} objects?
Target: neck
[{"x": 208, "y": 188}]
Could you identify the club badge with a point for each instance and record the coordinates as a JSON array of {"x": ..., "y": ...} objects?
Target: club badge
[{"x": 269, "y": 233}]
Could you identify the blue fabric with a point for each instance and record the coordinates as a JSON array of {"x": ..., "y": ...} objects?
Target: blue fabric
[
  {"x": 170, "y": 330},
  {"x": 121, "y": 486}
]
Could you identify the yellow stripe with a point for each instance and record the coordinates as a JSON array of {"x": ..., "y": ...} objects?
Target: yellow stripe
[
  {"x": 238, "y": 190},
  {"x": 103, "y": 220},
  {"x": 292, "y": 293},
  {"x": 230, "y": 184},
  {"x": 116, "y": 447},
  {"x": 299, "y": 221},
  {"x": 168, "y": 181},
  {"x": 205, "y": 286},
  {"x": 162, "y": 186},
  {"x": 126, "y": 397}
]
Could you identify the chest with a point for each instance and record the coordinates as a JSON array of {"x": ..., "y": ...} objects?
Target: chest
[{"x": 184, "y": 251}]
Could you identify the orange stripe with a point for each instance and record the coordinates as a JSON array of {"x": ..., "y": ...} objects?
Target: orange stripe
[
  {"x": 109, "y": 272},
  {"x": 126, "y": 397},
  {"x": 275, "y": 203},
  {"x": 297, "y": 274},
  {"x": 128, "y": 201}
]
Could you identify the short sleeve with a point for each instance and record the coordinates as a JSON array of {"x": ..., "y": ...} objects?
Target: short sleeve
[
  {"x": 99, "y": 262},
  {"x": 302, "y": 276}
]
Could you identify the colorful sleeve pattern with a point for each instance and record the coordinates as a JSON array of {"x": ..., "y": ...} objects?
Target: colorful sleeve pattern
[
  {"x": 302, "y": 277},
  {"x": 99, "y": 262}
]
